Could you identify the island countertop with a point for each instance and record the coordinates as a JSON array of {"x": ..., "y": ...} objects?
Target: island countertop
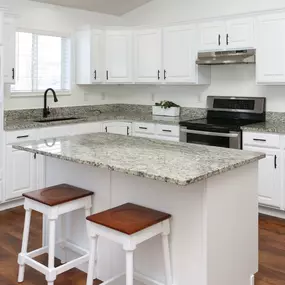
[{"x": 178, "y": 163}]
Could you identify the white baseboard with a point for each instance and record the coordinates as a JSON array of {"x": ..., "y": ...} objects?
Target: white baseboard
[
  {"x": 272, "y": 212},
  {"x": 11, "y": 204}
]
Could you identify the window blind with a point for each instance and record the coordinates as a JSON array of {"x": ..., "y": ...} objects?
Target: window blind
[{"x": 41, "y": 62}]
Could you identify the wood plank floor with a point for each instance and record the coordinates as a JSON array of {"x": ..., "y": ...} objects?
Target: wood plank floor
[{"x": 271, "y": 254}]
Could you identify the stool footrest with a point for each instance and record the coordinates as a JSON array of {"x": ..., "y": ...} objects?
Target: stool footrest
[{"x": 72, "y": 264}]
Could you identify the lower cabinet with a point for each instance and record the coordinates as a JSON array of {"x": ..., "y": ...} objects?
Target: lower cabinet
[
  {"x": 270, "y": 186},
  {"x": 21, "y": 173},
  {"x": 120, "y": 128}
]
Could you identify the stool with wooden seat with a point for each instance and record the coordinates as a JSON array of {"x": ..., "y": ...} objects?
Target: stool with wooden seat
[
  {"x": 53, "y": 202},
  {"x": 129, "y": 225}
]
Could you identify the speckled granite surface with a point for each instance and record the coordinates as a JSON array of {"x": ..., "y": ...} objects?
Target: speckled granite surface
[
  {"x": 25, "y": 119},
  {"x": 177, "y": 163},
  {"x": 275, "y": 123}
]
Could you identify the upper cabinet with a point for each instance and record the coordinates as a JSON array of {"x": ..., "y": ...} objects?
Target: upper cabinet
[
  {"x": 168, "y": 56},
  {"x": 227, "y": 35},
  {"x": 180, "y": 54},
  {"x": 89, "y": 50},
  {"x": 9, "y": 42},
  {"x": 119, "y": 56},
  {"x": 270, "y": 55},
  {"x": 212, "y": 36},
  {"x": 148, "y": 55}
]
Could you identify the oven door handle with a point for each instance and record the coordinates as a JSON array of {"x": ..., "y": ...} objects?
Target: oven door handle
[{"x": 213, "y": 134}]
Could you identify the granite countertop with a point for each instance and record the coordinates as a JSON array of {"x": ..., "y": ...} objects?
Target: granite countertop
[
  {"x": 172, "y": 162},
  {"x": 266, "y": 127},
  {"x": 109, "y": 116}
]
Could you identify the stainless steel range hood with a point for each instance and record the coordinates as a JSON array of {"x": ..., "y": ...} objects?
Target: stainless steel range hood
[{"x": 226, "y": 57}]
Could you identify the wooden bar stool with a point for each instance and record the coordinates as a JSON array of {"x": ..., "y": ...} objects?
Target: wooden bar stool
[
  {"x": 129, "y": 225},
  {"x": 53, "y": 202}
]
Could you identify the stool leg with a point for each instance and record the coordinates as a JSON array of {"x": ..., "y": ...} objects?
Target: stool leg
[
  {"x": 52, "y": 275},
  {"x": 167, "y": 262},
  {"x": 129, "y": 267},
  {"x": 26, "y": 232},
  {"x": 63, "y": 239},
  {"x": 92, "y": 260}
]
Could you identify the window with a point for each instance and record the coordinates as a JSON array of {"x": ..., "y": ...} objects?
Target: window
[{"x": 41, "y": 62}]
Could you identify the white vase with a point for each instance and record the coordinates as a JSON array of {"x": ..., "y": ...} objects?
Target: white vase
[{"x": 170, "y": 112}]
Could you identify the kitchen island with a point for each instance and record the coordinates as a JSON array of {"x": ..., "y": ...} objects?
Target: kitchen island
[{"x": 210, "y": 192}]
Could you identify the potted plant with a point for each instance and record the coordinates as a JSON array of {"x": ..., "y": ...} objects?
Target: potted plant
[{"x": 166, "y": 108}]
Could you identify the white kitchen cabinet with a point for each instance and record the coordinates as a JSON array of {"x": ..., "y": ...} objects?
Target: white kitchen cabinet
[
  {"x": 9, "y": 59},
  {"x": 21, "y": 169},
  {"x": 148, "y": 56},
  {"x": 55, "y": 132},
  {"x": 269, "y": 180},
  {"x": 86, "y": 128},
  {"x": 227, "y": 35},
  {"x": 240, "y": 34},
  {"x": 270, "y": 56},
  {"x": 120, "y": 128},
  {"x": 119, "y": 56},
  {"x": 212, "y": 36},
  {"x": 180, "y": 54},
  {"x": 89, "y": 54},
  {"x": 144, "y": 130}
]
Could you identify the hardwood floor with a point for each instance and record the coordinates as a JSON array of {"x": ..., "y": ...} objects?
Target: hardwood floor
[{"x": 271, "y": 254}]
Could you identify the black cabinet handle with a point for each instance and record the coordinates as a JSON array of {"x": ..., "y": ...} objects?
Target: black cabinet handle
[
  {"x": 143, "y": 128},
  {"x": 95, "y": 74},
  {"x": 128, "y": 131},
  {"x": 13, "y": 73},
  {"x": 107, "y": 75},
  {"x": 164, "y": 74},
  {"x": 259, "y": 140},
  {"x": 275, "y": 161},
  {"x": 227, "y": 39},
  {"x": 158, "y": 74},
  {"x": 106, "y": 129},
  {"x": 167, "y": 131},
  {"x": 22, "y": 137},
  {"x": 219, "y": 39},
  {"x": 35, "y": 156}
]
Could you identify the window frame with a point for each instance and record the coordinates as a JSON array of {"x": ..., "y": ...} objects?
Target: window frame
[{"x": 40, "y": 93}]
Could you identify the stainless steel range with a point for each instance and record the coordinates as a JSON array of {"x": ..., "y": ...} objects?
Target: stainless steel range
[{"x": 225, "y": 117}]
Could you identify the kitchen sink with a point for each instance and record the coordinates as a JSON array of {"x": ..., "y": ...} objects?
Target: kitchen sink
[{"x": 56, "y": 120}]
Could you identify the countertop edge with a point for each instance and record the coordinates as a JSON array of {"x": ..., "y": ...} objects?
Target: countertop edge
[{"x": 146, "y": 175}]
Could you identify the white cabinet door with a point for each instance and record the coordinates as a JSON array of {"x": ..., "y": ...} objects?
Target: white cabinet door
[
  {"x": 212, "y": 36},
  {"x": 119, "y": 55},
  {"x": 21, "y": 173},
  {"x": 89, "y": 53},
  {"x": 148, "y": 56},
  {"x": 270, "y": 60},
  {"x": 179, "y": 54},
  {"x": 120, "y": 128},
  {"x": 269, "y": 183},
  {"x": 240, "y": 34},
  {"x": 9, "y": 60},
  {"x": 86, "y": 128}
]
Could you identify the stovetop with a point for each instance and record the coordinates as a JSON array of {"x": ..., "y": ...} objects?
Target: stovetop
[{"x": 217, "y": 123}]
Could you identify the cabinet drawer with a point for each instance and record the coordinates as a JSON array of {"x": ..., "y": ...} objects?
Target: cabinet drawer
[
  {"x": 144, "y": 128},
  {"x": 55, "y": 132},
  {"x": 21, "y": 136},
  {"x": 261, "y": 139},
  {"x": 167, "y": 130}
]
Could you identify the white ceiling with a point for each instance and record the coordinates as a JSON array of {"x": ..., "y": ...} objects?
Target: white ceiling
[{"x": 114, "y": 7}]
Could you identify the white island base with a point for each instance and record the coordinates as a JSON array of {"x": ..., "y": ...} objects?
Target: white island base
[{"x": 214, "y": 229}]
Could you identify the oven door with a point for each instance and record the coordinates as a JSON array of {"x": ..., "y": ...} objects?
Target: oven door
[{"x": 212, "y": 138}]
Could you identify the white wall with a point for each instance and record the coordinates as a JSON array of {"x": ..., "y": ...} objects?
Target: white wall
[
  {"x": 49, "y": 18},
  {"x": 234, "y": 80},
  {"x": 165, "y": 11}
]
